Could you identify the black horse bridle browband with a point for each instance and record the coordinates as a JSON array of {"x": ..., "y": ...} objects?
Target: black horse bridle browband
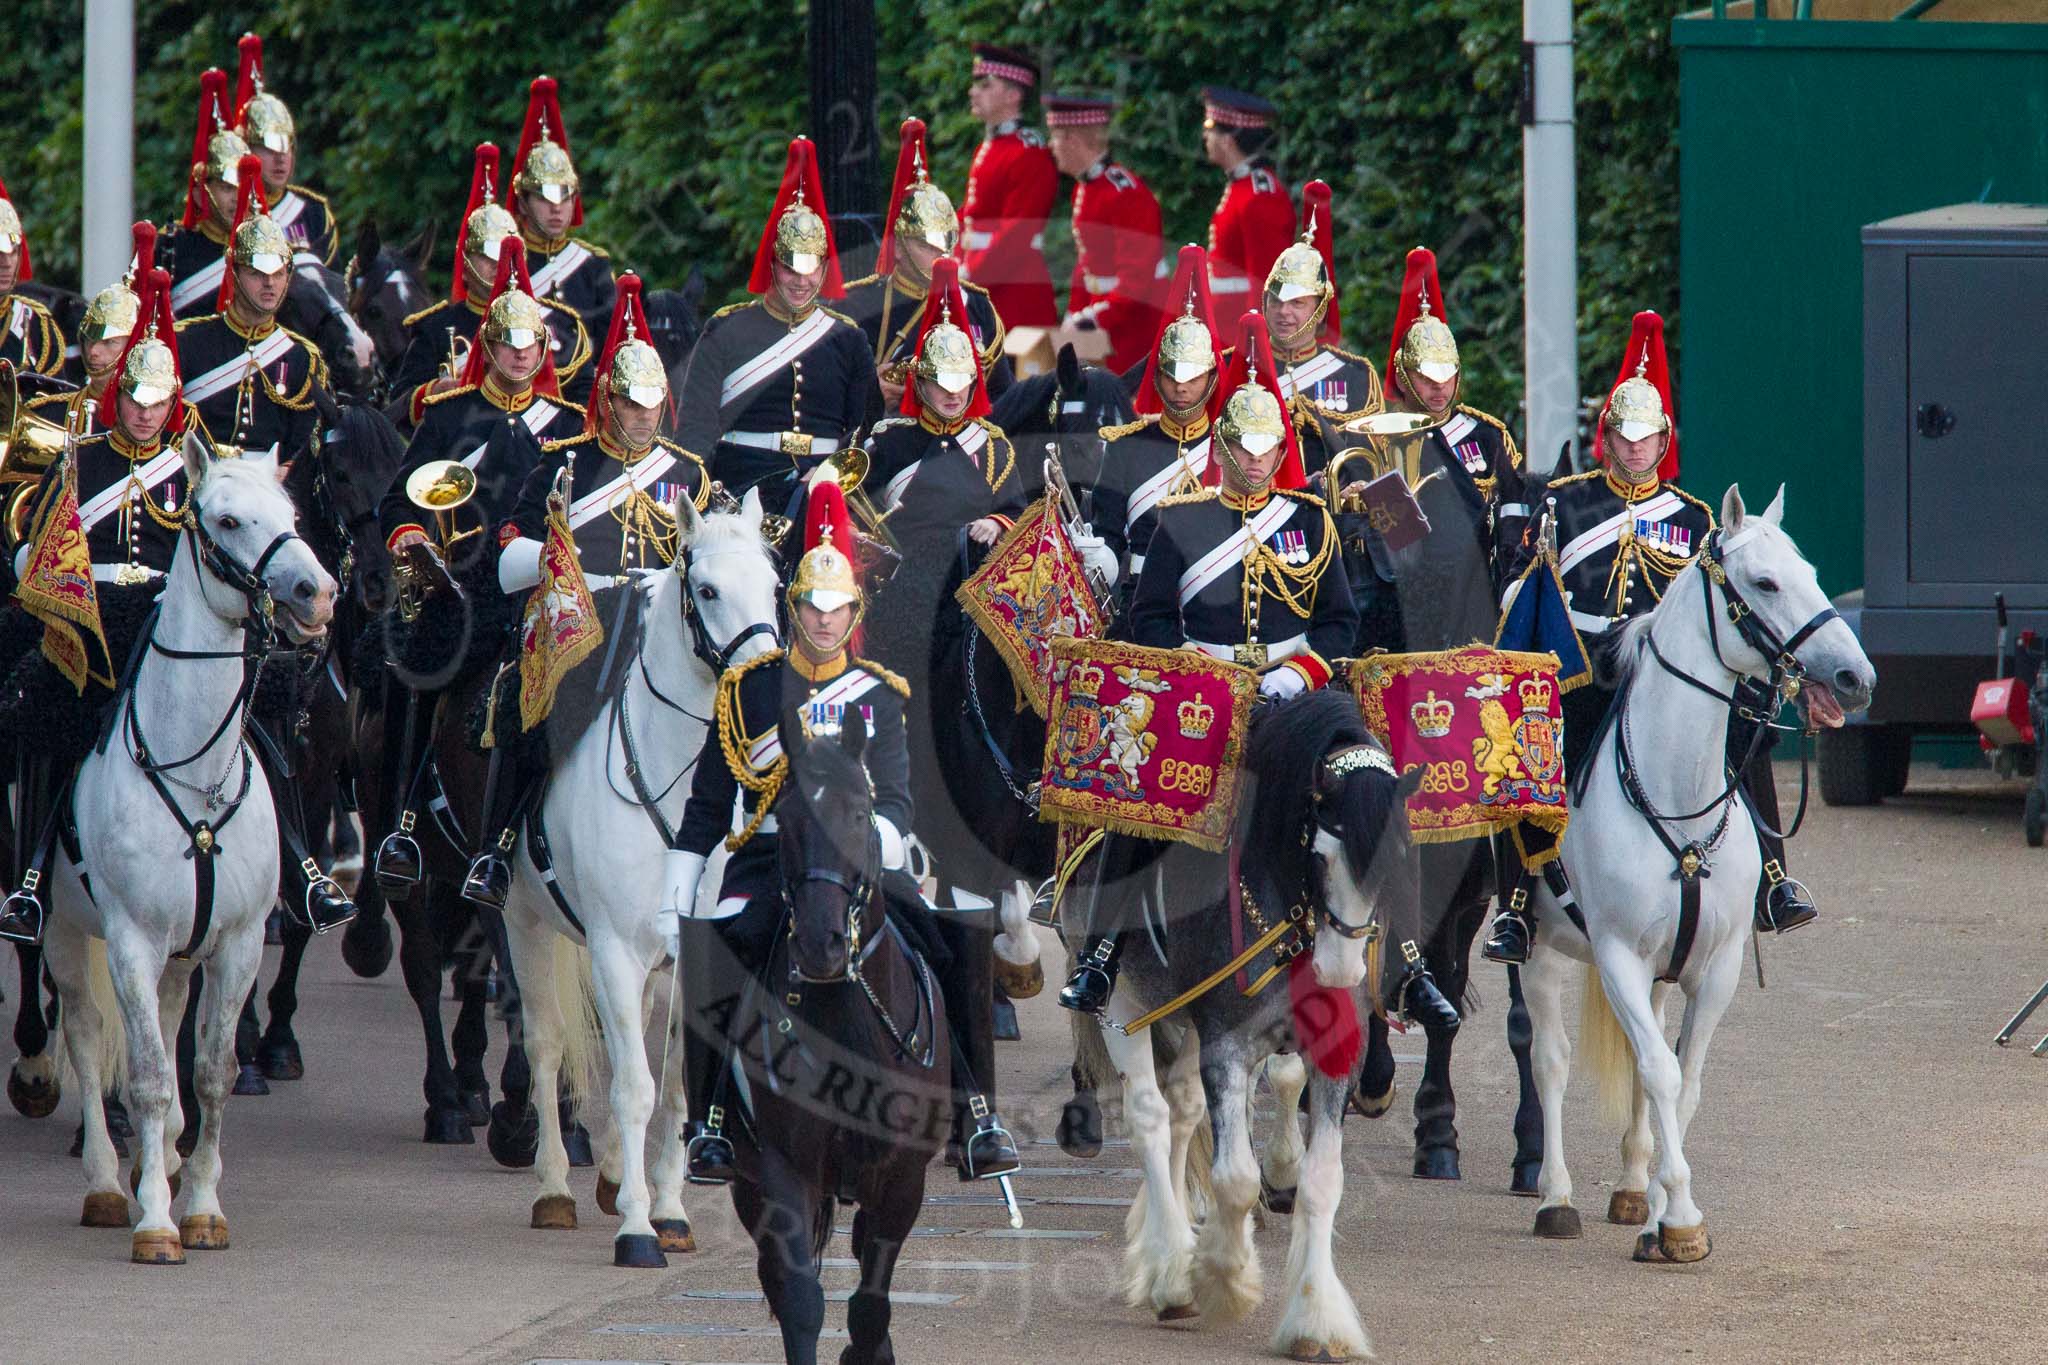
[
  {"x": 1343, "y": 763},
  {"x": 716, "y": 659}
]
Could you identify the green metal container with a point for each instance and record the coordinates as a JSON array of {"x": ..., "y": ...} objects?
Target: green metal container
[{"x": 1794, "y": 134}]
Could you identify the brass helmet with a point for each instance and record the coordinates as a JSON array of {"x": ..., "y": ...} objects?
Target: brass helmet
[
  {"x": 636, "y": 372},
  {"x": 257, "y": 242},
  {"x": 1187, "y": 349},
  {"x": 825, "y": 576},
  {"x": 1635, "y": 407},
  {"x": 515, "y": 318},
  {"x": 542, "y": 165},
  {"x": 1299, "y": 272},
  {"x": 947, "y": 355},
  {"x": 927, "y": 214},
  {"x": 1252, "y": 418},
  {"x": 115, "y": 310},
  {"x": 262, "y": 118},
  {"x": 10, "y": 227},
  {"x": 800, "y": 241},
  {"x": 487, "y": 228},
  {"x": 224, "y": 152},
  {"x": 149, "y": 375},
  {"x": 1428, "y": 348}
]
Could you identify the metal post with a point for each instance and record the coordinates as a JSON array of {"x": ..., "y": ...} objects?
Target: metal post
[
  {"x": 843, "y": 83},
  {"x": 108, "y": 194},
  {"x": 1550, "y": 232}
]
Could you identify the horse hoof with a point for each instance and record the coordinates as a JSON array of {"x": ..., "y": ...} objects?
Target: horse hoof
[
  {"x": 1527, "y": 1178},
  {"x": 1684, "y": 1245},
  {"x": 33, "y": 1099},
  {"x": 156, "y": 1246},
  {"x": 607, "y": 1195},
  {"x": 555, "y": 1212},
  {"x": 1302, "y": 1349},
  {"x": 449, "y": 1127},
  {"x": 638, "y": 1251},
  {"x": 135, "y": 1180},
  {"x": 249, "y": 1081},
  {"x": 674, "y": 1235},
  {"x": 1276, "y": 1200},
  {"x": 1020, "y": 982},
  {"x": 1178, "y": 1312},
  {"x": 1436, "y": 1163},
  {"x": 104, "y": 1209},
  {"x": 1003, "y": 1021},
  {"x": 514, "y": 1140},
  {"x": 366, "y": 946},
  {"x": 1080, "y": 1130},
  {"x": 1372, "y": 1106},
  {"x": 477, "y": 1104},
  {"x": 282, "y": 1061},
  {"x": 203, "y": 1232},
  {"x": 576, "y": 1142},
  {"x": 1559, "y": 1222},
  {"x": 1628, "y": 1207}
]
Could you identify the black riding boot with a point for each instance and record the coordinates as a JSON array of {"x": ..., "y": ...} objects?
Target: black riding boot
[
  {"x": 1420, "y": 999},
  {"x": 1512, "y": 933},
  {"x": 1782, "y": 904},
  {"x": 1094, "y": 977},
  {"x": 966, "y": 978},
  {"x": 22, "y": 914},
  {"x": 319, "y": 900},
  {"x": 707, "y": 1152},
  {"x": 398, "y": 865},
  {"x": 489, "y": 880}
]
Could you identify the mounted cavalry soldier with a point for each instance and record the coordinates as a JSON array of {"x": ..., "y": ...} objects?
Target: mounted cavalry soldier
[
  {"x": 888, "y": 305},
  {"x": 1115, "y": 288},
  {"x": 194, "y": 250},
  {"x": 1011, "y": 185},
  {"x": 620, "y": 479},
  {"x": 266, "y": 126},
  {"x": 547, "y": 199},
  {"x": 110, "y": 319},
  {"x": 1254, "y": 218},
  {"x": 443, "y": 336},
  {"x": 1244, "y": 569},
  {"x": 252, "y": 380},
  {"x": 490, "y": 428},
  {"x": 817, "y": 687},
  {"x": 1623, "y": 532},
  {"x": 30, "y": 338},
  {"x": 1321, "y": 383},
  {"x": 1166, "y": 451},
  {"x": 778, "y": 385}
]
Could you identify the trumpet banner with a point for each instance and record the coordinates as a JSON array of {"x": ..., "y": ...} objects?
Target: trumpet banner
[
  {"x": 561, "y": 626},
  {"x": 1485, "y": 725},
  {"x": 57, "y": 589},
  {"x": 1145, "y": 741},
  {"x": 1031, "y": 591}
]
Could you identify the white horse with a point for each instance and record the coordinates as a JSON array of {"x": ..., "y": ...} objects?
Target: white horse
[
  {"x": 715, "y": 608},
  {"x": 1750, "y": 607},
  {"x": 178, "y": 839}
]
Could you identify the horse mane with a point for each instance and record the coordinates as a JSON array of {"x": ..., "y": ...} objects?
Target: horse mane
[{"x": 1282, "y": 757}]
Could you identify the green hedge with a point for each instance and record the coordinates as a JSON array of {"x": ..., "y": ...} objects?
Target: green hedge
[{"x": 679, "y": 118}]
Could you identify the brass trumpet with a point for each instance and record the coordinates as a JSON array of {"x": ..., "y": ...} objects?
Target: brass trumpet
[
  {"x": 439, "y": 488},
  {"x": 29, "y": 445},
  {"x": 1393, "y": 440}
]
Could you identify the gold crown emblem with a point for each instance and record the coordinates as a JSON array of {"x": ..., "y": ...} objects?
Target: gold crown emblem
[
  {"x": 1537, "y": 693},
  {"x": 1195, "y": 719},
  {"x": 1086, "y": 681},
  {"x": 1433, "y": 716}
]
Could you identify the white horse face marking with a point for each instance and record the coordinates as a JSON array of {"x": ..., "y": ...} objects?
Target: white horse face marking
[
  {"x": 245, "y": 509},
  {"x": 1784, "y": 591},
  {"x": 1339, "y": 961}
]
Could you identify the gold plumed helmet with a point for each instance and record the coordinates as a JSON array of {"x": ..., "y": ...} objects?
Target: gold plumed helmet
[
  {"x": 825, "y": 576},
  {"x": 150, "y": 374},
  {"x": 548, "y": 171},
  {"x": 800, "y": 241},
  {"x": 1252, "y": 418},
  {"x": 927, "y": 214},
  {"x": 10, "y": 228},
  {"x": 948, "y": 357},
  {"x": 224, "y": 153},
  {"x": 515, "y": 318},
  {"x": 1186, "y": 349},
  {"x": 1635, "y": 407},
  {"x": 636, "y": 372},
  {"x": 266, "y": 123},
  {"x": 1299, "y": 272},
  {"x": 487, "y": 229},
  {"x": 1428, "y": 348},
  {"x": 260, "y": 244},
  {"x": 112, "y": 313}
]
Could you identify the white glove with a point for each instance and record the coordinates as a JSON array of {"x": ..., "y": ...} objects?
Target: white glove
[
  {"x": 894, "y": 855},
  {"x": 1282, "y": 683},
  {"x": 1099, "y": 558},
  {"x": 519, "y": 565},
  {"x": 681, "y": 871}
]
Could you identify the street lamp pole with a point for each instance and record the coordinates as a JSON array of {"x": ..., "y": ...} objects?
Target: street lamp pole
[
  {"x": 107, "y": 198},
  {"x": 1550, "y": 232}
]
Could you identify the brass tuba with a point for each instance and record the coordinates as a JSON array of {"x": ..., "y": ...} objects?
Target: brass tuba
[
  {"x": 1393, "y": 440},
  {"x": 439, "y": 488},
  {"x": 28, "y": 445}
]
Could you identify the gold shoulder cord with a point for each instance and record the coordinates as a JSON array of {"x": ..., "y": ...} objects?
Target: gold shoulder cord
[
  {"x": 1631, "y": 549},
  {"x": 995, "y": 480},
  {"x": 1265, "y": 571},
  {"x": 640, "y": 515},
  {"x": 734, "y": 742}
]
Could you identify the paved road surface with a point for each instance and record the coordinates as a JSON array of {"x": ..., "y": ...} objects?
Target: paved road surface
[{"x": 1873, "y": 1174}]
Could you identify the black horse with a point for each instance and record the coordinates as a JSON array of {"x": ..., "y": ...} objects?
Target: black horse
[
  {"x": 385, "y": 287},
  {"x": 847, "y": 1058},
  {"x": 316, "y": 307}
]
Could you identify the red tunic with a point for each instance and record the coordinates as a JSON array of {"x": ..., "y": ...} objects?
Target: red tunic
[
  {"x": 1117, "y": 275},
  {"x": 1252, "y": 225},
  {"x": 1010, "y": 191}
]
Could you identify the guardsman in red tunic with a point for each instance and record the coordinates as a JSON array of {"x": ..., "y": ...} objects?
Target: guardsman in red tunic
[
  {"x": 1254, "y": 220},
  {"x": 265, "y": 123},
  {"x": 1117, "y": 269},
  {"x": 1010, "y": 192}
]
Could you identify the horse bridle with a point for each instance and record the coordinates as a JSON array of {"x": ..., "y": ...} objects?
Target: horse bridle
[
  {"x": 1343, "y": 763},
  {"x": 717, "y": 659}
]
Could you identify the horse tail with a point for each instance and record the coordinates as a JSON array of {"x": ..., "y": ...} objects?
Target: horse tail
[
  {"x": 99, "y": 984},
  {"x": 576, "y": 1007},
  {"x": 1092, "y": 1064},
  {"x": 1607, "y": 1051}
]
